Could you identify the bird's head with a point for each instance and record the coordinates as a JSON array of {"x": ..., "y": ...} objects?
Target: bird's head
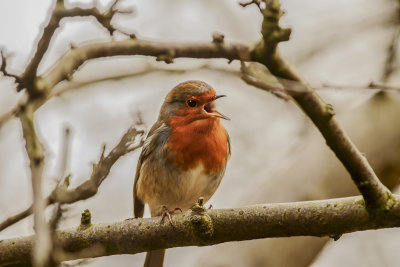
[{"x": 191, "y": 101}]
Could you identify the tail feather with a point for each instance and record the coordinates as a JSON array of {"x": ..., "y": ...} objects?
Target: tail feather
[{"x": 154, "y": 258}]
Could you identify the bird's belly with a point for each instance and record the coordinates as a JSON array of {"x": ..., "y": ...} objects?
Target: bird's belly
[
  {"x": 179, "y": 190},
  {"x": 191, "y": 185}
]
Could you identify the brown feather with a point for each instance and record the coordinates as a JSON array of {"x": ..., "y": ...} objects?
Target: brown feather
[
  {"x": 184, "y": 155},
  {"x": 138, "y": 205}
]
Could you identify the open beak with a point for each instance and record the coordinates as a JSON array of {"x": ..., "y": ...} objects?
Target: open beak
[
  {"x": 217, "y": 96},
  {"x": 215, "y": 112},
  {"x": 220, "y": 115}
]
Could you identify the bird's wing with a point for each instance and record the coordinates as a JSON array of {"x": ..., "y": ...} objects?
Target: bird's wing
[{"x": 138, "y": 205}]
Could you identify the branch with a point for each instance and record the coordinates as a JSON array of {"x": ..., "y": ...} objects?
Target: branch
[
  {"x": 13, "y": 112},
  {"x": 100, "y": 170},
  {"x": 104, "y": 19},
  {"x": 200, "y": 227},
  {"x": 62, "y": 195},
  {"x": 74, "y": 58},
  {"x": 376, "y": 195},
  {"x": 58, "y": 13},
  {"x": 42, "y": 250},
  {"x": 259, "y": 76}
]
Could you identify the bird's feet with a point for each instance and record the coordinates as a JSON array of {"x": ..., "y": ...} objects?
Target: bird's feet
[{"x": 167, "y": 213}]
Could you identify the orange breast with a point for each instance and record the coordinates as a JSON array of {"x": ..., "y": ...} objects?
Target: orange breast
[{"x": 198, "y": 142}]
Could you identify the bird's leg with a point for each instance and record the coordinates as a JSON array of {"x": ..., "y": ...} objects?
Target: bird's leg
[{"x": 168, "y": 213}]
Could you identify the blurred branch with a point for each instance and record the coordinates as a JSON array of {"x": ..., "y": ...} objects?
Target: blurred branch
[
  {"x": 57, "y": 14},
  {"x": 53, "y": 223},
  {"x": 43, "y": 244},
  {"x": 200, "y": 227},
  {"x": 73, "y": 85},
  {"x": 62, "y": 195},
  {"x": 64, "y": 151},
  {"x": 376, "y": 195},
  {"x": 13, "y": 112},
  {"x": 371, "y": 85},
  {"x": 148, "y": 68},
  {"x": 391, "y": 56}
]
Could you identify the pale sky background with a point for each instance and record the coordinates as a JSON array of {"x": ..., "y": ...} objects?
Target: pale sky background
[{"x": 338, "y": 42}]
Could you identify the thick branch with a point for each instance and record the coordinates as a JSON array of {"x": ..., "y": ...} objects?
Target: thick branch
[
  {"x": 375, "y": 193},
  {"x": 201, "y": 227},
  {"x": 61, "y": 194},
  {"x": 34, "y": 149}
]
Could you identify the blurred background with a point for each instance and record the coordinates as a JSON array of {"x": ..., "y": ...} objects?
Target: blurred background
[{"x": 277, "y": 154}]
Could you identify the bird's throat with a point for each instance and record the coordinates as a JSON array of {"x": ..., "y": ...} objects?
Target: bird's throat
[{"x": 198, "y": 142}]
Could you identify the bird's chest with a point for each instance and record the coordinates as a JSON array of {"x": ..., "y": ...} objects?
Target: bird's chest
[{"x": 200, "y": 144}]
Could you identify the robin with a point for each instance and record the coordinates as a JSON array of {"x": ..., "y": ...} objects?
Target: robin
[{"x": 183, "y": 157}]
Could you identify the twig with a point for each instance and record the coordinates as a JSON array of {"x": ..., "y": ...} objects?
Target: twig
[
  {"x": 16, "y": 218},
  {"x": 100, "y": 170},
  {"x": 61, "y": 194},
  {"x": 56, "y": 217},
  {"x": 103, "y": 18},
  {"x": 256, "y": 2},
  {"x": 57, "y": 14},
  {"x": 371, "y": 85},
  {"x": 202, "y": 227},
  {"x": 3, "y": 68},
  {"x": 64, "y": 151}
]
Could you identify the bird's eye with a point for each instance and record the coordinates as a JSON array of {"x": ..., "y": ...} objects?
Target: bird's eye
[{"x": 191, "y": 103}]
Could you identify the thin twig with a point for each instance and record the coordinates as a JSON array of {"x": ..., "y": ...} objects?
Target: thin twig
[
  {"x": 61, "y": 194},
  {"x": 57, "y": 14},
  {"x": 3, "y": 68},
  {"x": 64, "y": 152},
  {"x": 371, "y": 85},
  {"x": 256, "y": 2}
]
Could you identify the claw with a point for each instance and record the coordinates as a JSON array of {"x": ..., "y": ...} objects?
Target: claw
[{"x": 168, "y": 213}]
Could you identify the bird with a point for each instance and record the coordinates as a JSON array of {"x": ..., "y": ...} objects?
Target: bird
[{"x": 184, "y": 155}]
